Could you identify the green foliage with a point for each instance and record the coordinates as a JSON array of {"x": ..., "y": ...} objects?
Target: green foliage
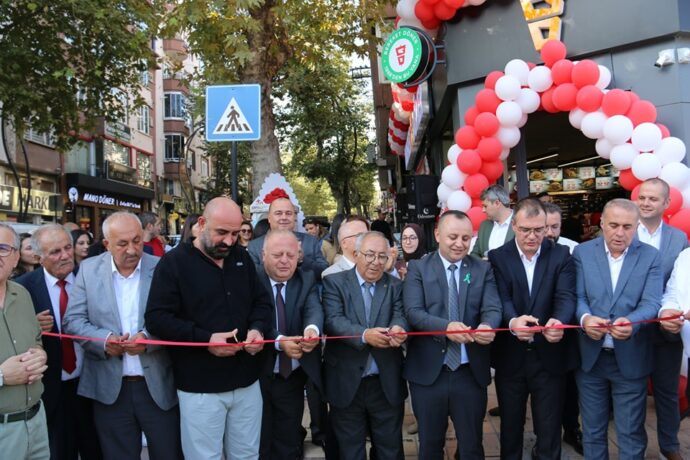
[
  {"x": 61, "y": 61},
  {"x": 314, "y": 196},
  {"x": 220, "y": 183}
]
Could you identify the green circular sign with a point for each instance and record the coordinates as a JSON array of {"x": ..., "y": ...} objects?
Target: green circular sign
[{"x": 401, "y": 55}]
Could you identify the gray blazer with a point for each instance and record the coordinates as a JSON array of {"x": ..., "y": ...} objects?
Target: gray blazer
[
  {"x": 673, "y": 241},
  {"x": 92, "y": 312}
]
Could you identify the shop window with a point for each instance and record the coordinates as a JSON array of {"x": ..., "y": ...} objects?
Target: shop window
[
  {"x": 175, "y": 106},
  {"x": 144, "y": 170},
  {"x": 174, "y": 147},
  {"x": 144, "y": 119},
  {"x": 116, "y": 153}
]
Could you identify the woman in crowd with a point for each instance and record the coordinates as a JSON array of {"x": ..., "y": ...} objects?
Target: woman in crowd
[
  {"x": 413, "y": 247},
  {"x": 246, "y": 234},
  {"x": 28, "y": 260},
  {"x": 261, "y": 228},
  {"x": 81, "y": 240},
  {"x": 189, "y": 231}
]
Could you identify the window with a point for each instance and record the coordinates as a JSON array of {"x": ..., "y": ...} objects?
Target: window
[
  {"x": 169, "y": 187},
  {"x": 144, "y": 120},
  {"x": 191, "y": 159},
  {"x": 116, "y": 153},
  {"x": 145, "y": 78},
  {"x": 175, "y": 105},
  {"x": 46, "y": 139},
  {"x": 204, "y": 167},
  {"x": 174, "y": 147},
  {"x": 144, "y": 170},
  {"x": 124, "y": 102}
]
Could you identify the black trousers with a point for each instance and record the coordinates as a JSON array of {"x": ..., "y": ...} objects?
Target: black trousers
[
  {"x": 571, "y": 404},
  {"x": 547, "y": 392},
  {"x": 282, "y": 434},
  {"x": 665, "y": 377}
]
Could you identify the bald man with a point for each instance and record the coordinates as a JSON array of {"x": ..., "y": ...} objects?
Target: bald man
[{"x": 209, "y": 291}]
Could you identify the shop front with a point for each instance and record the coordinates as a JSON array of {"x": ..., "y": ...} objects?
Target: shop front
[{"x": 38, "y": 206}]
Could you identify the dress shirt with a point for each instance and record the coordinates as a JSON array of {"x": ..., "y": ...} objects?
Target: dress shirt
[
  {"x": 373, "y": 368},
  {"x": 653, "y": 239},
  {"x": 615, "y": 266},
  {"x": 567, "y": 242},
  {"x": 283, "y": 292},
  {"x": 127, "y": 297},
  {"x": 463, "y": 352},
  {"x": 498, "y": 233},
  {"x": 677, "y": 293},
  {"x": 54, "y": 293},
  {"x": 529, "y": 265}
]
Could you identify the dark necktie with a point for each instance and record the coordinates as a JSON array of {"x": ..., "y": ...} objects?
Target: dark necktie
[
  {"x": 454, "y": 353},
  {"x": 69, "y": 358},
  {"x": 284, "y": 362},
  {"x": 366, "y": 295}
]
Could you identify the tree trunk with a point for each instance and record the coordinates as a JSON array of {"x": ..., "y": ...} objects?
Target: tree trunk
[{"x": 265, "y": 151}]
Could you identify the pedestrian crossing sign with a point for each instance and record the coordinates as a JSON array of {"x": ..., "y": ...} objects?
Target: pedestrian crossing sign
[{"x": 233, "y": 113}]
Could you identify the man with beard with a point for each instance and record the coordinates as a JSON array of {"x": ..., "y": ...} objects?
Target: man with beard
[{"x": 209, "y": 291}]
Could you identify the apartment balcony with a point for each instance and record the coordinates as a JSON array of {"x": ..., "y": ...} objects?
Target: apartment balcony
[{"x": 175, "y": 48}]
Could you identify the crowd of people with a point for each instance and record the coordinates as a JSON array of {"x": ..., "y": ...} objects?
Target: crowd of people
[{"x": 258, "y": 315}]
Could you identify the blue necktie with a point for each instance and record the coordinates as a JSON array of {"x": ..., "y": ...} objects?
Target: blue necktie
[
  {"x": 454, "y": 353},
  {"x": 366, "y": 295},
  {"x": 284, "y": 362}
]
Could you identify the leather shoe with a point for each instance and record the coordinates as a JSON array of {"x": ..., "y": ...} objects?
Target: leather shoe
[
  {"x": 671, "y": 455},
  {"x": 574, "y": 438},
  {"x": 495, "y": 411}
]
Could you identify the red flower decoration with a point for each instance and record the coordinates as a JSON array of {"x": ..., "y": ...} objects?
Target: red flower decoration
[{"x": 275, "y": 194}]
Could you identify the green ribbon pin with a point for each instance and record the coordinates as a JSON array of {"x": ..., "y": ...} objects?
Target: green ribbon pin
[{"x": 467, "y": 279}]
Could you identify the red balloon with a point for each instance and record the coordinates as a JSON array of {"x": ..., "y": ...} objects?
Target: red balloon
[
  {"x": 407, "y": 106},
  {"x": 443, "y": 11},
  {"x": 561, "y": 70},
  {"x": 454, "y": 3},
  {"x": 633, "y": 97},
  {"x": 675, "y": 201},
  {"x": 492, "y": 170},
  {"x": 477, "y": 202},
  {"x": 680, "y": 220},
  {"x": 487, "y": 101},
  {"x": 489, "y": 149},
  {"x": 531, "y": 65},
  {"x": 615, "y": 102},
  {"x": 642, "y": 112},
  {"x": 424, "y": 11},
  {"x": 635, "y": 192},
  {"x": 547, "y": 101},
  {"x": 627, "y": 179},
  {"x": 431, "y": 2},
  {"x": 490, "y": 80},
  {"x": 475, "y": 184},
  {"x": 589, "y": 98},
  {"x": 553, "y": 51},
  {"x": 486, "y": 124},
  {"x": 664, "y": 131},
  {"x": 565, "y": 97},
  {"x": 471, "y": 115},
  {"x": 431, "y": 24},
  {"x": 477, "y": 216},
  {"x": 586, "y": 72},
  {"x": 469, "y": 162},
  {"x": 466, "y": 137}
]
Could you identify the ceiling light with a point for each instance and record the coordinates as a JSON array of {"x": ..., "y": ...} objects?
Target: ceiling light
[{"x": 579, "y": 161}]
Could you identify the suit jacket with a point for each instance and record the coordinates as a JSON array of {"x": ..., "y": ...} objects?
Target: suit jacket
[
  {"x": 345, "y": 360},
  {"x": 637, "y": 297},
  {"x": 426, "y": 306},
  {"x": 481, "y": 246},
  {"x": 673, "y": 241},
  {"x": 311, "y": 247},
  {"x": 93, "y": 312},
  {"x": 302, "y": 308},
  {"x": 552, "y": 296}
]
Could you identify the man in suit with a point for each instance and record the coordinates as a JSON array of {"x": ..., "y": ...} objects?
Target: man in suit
[
  {"x": 363, "y": 375},
  {"x": 619, "y": 281},
  {"x": 348, "y": 232},
  {"x": 131, "y": 383},
  {"x": 535, "y": 279},
  {"x": 496, "y": 229},
  {"x": 653, "y": 200},
  {"x": 70, "y": 416},
  {"x": 298, "y": 318},
  {"x": 282, "y": 216},
  {"x": 450, "y": 291}
]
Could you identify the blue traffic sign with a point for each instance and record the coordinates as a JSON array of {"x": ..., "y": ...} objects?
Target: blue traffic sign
[{"x": 233, "y": 113}]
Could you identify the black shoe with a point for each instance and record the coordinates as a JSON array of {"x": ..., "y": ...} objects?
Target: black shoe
[
  {"x": 495, "y": 411},
  {"x": 574, "y": 438}
]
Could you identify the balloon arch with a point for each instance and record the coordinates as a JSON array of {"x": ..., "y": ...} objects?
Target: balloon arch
[{"x": 623, "y": 125}]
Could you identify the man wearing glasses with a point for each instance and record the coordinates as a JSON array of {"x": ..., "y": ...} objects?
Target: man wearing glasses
[
  {"x": 363, "y": 375},
  {"x": 535, "y": 280}
]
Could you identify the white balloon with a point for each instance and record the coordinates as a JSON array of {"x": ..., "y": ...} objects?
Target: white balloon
[
  {"x": 539, "y": 78},
  {"x": 475, "y": 2},
  {"x": 504, "y": 153},
  {"x": 405, "y": 9},
  {"x": 443, "y": 192},
  {"x": 509, "y": 113},
  {"x": 676, "y": 175},
  {"x": 618, "y": 129},
  {"x": 523, "y": 120},
  {"x": 670, "y": 150},
  {"x": 645, "y": 166},
  {"x": 519, "y": 69},
  {"x": 575, "y": 117},
  {"x": 453, "y": 177},
  {"x": 453, "y": 153},
  {"x": 459, "y": 200},
  {"x": 593, "y": 125},
  {"x": 604, "y": 77},
  {"x": 622, "y": 156},
  {"x": 528, "y": 100},
  {"x": 646, "y": 137},
  {"x": 507, "y": 88},
  {"x": 603, "y": 148},
  {"x": 508, "y": 136},
  {"x": 686, "y": 197}
]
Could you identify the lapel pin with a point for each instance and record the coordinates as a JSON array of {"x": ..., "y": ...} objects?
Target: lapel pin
[
  {"x": 239, "y": 264},
  {"x": 467, "y": 278}
]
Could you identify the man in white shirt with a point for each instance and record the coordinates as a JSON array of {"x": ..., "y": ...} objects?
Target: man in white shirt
[
  {"x": 131, "y": 383},
  {"x": 496, "y": 229},
  {"x": 554, "y": 217},
  {"x": 347, "y": 237}
]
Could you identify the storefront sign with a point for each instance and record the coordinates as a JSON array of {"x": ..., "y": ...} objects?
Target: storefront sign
[
  {"x": 36, "y": 202},
  {"x": 118, "y": 130},
  {"x": 418, "y": 123},
  {"x": 121, "y": 173},
  {"x": 108, "y": 200},
  {"x": 401, "y": 55},
  {"x": 543, "y": 21},
  {"x": 6, "y": 197}
]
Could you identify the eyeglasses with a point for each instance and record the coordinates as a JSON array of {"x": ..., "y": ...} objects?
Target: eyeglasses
[
  {"x": 245, "y": 230},
  {"x": 526, "y": 231},
  {"x": 6, "y": 250},
  {"x": 370, "y": 257},
  {"x": 409, "y": 238}
]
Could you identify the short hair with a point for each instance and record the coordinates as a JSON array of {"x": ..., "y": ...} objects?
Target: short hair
[
  {"x": 451, "y": 213},
  {"x": 552, "y": 208},
  {"x": 15, "y": 237},
  {"x": 532, "y": 207},
  {"x": 247, "y": 222},
  {"x": 496, "y": 192},
  {"x": 364, "y": 236},
  {"x": 39, "y": 232},
  {"x": 622, "y": 203},
  {"x": 147, "y": 218},
  {"x": 665, "y": 189},
  {"x": 294, "y": 206},
  {"x": 120, "y": 215}
]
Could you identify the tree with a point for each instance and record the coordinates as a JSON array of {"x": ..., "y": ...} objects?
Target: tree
[{"x": 255, "y": 41}]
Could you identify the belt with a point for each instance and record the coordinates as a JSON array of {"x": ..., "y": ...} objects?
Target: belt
[
  {"x": 133, "y": 378},
  {"x": 21, "y": 416},
  {"x": 607, "y": 350}
]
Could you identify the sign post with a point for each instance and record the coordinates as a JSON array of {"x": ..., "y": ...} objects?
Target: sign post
[{"x": 233, "y": 113}]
